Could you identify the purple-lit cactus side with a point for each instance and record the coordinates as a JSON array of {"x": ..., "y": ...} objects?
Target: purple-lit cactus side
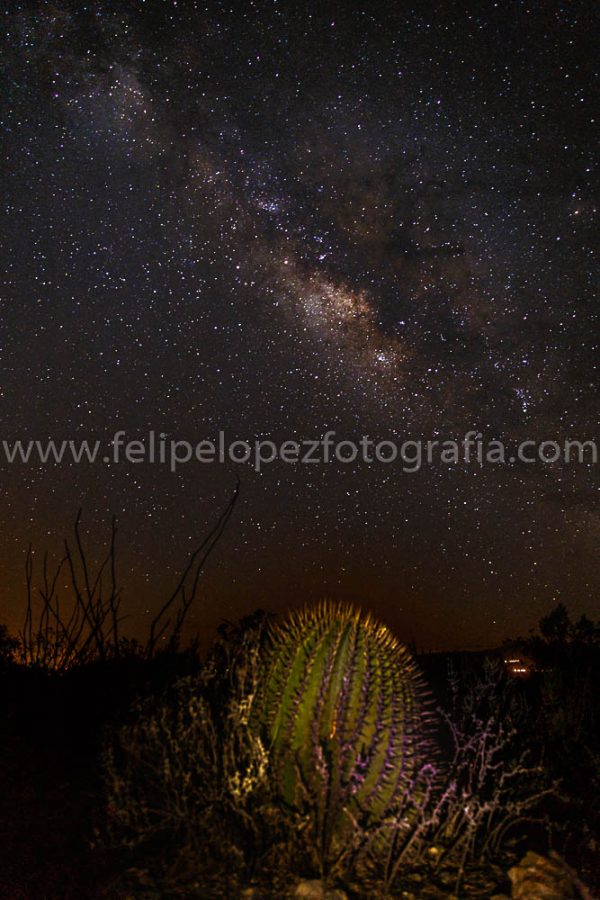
[{"x": 344, "y": 710}]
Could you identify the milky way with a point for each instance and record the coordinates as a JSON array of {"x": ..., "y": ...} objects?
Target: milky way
[{"x": 277, "y": 220}]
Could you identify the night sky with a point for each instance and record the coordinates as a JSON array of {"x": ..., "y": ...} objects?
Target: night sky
[{"x": 278, "y": 219}]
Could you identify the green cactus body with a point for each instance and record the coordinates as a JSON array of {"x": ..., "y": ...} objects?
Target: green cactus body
[{"x": 340, "y": 688}]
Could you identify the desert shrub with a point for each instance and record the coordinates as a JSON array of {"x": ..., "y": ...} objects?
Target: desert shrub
[
  {"x": 464, "y": 814},
  {"x": 61, "y": 633},
  {"x": 188, "y": 789},
  {"x": 185, "y": 779},
  {"x": 8, "y": 646}
]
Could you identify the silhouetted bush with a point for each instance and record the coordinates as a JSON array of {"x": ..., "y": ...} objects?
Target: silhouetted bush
[
  {"x": 8, "y": 646},
  {"x": 187, "y": 781}
]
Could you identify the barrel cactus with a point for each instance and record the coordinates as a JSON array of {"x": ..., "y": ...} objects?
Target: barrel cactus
[{"x": 345, "y": 713}]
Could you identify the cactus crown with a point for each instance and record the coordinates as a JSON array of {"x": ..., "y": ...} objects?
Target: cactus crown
[{"x": 339, "y": 686}]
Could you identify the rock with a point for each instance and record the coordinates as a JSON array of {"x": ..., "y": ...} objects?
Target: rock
[
  {"x": 316, "y": 890},
  {"x": 537, "y": 877}
]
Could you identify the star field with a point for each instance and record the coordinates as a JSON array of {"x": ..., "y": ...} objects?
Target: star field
[{"x": 278, "y": 219}]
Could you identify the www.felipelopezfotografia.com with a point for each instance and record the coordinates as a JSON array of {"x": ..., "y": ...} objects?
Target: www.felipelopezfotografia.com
[{"x": 157, "y": 448}]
